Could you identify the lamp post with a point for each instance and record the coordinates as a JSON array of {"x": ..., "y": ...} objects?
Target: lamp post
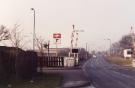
[{"x": 33, "y": 29}]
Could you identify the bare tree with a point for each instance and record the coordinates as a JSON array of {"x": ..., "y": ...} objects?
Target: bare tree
[
  {"x": 16, "y": 37},
  {"x": 126, "y": 41},
  {"x": 4, "y": 33},
  {"x": 116, "y": 48},
  {"x": 40, "y": 44}
]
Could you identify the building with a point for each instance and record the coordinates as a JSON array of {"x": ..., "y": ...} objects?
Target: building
[{"x": 127, "y": 53}]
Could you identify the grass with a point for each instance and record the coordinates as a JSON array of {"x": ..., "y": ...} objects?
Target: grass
[
  {"x": 119, "y": 60},
  {"x": 40, "y": 81}
]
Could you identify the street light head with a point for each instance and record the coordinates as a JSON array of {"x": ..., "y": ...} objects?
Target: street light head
[
  {"x": 32, "y": 8},
  {"x": 73, "y": 26}
]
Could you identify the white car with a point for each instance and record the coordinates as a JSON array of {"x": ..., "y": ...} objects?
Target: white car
[{"x": 94, "y": 56}]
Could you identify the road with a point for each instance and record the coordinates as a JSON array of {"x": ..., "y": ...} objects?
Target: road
[{"x": 106, "y": 75}]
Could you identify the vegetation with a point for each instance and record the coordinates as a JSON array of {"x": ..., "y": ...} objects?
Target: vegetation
[
  {"x": 126, "y": 42},
  {"x": 40, "y": 42},
  {"x": 40, "y": 81},
  {"x": 16, "y": 37},
  {"x": 119, "y": 60},
  {"x": 4, "y": 33}
]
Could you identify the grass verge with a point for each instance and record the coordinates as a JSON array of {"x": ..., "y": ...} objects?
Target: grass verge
[
  {"x": 40, "y": 81},
  {"x": 119, "y": 60}
]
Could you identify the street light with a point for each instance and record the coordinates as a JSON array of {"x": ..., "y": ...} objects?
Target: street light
[{"x": 33, "y": 29}]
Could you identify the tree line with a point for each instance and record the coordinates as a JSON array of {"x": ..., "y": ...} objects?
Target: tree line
[{"x": 126, "y": 42}]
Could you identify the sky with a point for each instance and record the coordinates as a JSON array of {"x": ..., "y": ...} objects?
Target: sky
[{"x": 100, "y": 20}]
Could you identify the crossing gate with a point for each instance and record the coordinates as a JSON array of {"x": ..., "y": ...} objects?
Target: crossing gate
[{"x": 50, "y": 61}]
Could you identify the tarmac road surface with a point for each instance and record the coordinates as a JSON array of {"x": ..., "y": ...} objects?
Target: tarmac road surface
[{"x": 106, "y": 75}]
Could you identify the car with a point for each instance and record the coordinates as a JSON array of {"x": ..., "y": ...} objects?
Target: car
[{"x": 94, "y": 56}]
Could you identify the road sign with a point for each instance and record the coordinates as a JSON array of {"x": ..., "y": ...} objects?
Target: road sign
[
  {"x": 57, "y": 38},
  {"x": 79, "y": 30},
  {"x": 75, "y": 50},
  {"x": 57, "y": 35}
]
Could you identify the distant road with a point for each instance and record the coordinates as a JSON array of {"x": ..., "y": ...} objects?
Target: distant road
[{"x": 106, "y": 75}]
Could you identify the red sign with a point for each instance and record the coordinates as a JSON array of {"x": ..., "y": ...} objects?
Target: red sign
[{"x": 57, "y": 35}]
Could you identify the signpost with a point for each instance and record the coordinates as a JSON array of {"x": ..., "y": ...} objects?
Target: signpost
[
  {"x": 47, "y": 47},
  {"x": 74, "y": 51},
  {"x": 57, "y": 37}
]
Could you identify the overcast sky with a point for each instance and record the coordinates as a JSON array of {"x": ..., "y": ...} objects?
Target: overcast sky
[{"x": 100, "y": 19}]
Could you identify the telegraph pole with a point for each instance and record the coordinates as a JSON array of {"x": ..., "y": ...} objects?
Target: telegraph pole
[{"x": 133, "y": 45}]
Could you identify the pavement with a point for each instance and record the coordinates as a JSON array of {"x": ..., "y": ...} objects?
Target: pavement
[
  {"x": 72, "y": 77},
  {"x": 75, "y": 79}
]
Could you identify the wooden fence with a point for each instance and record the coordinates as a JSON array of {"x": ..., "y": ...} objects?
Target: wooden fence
[
  {"x": 50, "y": 61},
  {"x": 14, "y": 61}
]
